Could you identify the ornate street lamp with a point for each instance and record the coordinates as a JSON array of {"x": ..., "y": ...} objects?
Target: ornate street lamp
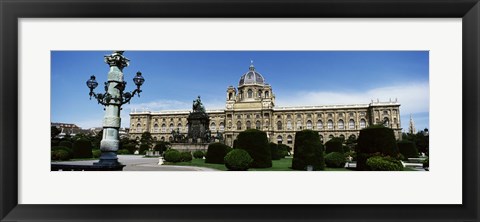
[{"x": 113, "y": 98}]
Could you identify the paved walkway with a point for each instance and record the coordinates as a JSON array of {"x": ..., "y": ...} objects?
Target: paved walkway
[{"x": 138, "y": 163}]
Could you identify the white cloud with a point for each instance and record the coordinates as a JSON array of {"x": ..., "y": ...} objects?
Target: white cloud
[{"x": 414, "y": 97}]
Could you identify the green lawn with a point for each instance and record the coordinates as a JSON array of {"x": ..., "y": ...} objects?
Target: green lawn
[{"x": 277, "y": 165}]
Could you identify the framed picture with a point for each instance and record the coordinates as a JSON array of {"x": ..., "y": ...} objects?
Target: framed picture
[{"x": 34, "y": 34}]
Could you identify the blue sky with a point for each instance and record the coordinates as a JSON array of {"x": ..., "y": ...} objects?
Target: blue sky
[{"x": 174, "y": 78}]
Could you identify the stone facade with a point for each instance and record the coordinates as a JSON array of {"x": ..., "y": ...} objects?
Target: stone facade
[{"x": 252, "y": 105}]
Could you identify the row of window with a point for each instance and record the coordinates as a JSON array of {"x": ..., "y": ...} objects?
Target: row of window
[{"x": 340, "y": 124}]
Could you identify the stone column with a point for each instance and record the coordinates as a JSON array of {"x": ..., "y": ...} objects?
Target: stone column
[{"x": 111, "y": 122}]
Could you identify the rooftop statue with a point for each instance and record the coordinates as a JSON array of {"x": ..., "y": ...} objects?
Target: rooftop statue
[{"x": 198, "y": 106}]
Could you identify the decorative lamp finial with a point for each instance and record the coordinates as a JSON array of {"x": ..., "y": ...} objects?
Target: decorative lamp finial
[{"x": 251, "y": 65}]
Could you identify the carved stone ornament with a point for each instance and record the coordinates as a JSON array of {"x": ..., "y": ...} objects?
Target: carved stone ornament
[{"x": 117, "y": 59}]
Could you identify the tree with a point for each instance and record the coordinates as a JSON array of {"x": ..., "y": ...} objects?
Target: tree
[
  {"x": 146, "y": 139},
  {"x": 308, "y": 151},
  {"x": 255, "y": 142},
  {"x": 54, "y": 131},
  {"x": 375, "y": 140}
]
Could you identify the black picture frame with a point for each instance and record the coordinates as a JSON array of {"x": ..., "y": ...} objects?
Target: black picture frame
[{"x": 11, "y": 11}]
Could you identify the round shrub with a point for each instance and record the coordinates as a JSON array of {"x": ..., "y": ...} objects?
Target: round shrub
[
  {"x": 335, "y": 160},
  {"x": 255, "y": 142},
  {"x": 216, "y": 153},
  {"x": 64, "y": 148},
  {"x": 61, "y": 155},
  {"x": 308, "y": 150},
  {"x": 372, "y": 140},
  {"x": 185, "y": 157},
  {"x": 380, "y": 163},
  {"x": 65, "y": 143},
  {"x": 334, "y": 145},
  {"x": 198, "y": 154},
  {"x": 238, "y": 160},
  {"x": 123, "y": 152},
  {"x": 96, "y": 153},
  {"x": 275, "y": 152},
  {"x": 82, "y": 148},
  {"x": 172, "y": 156},
  {"x": 407, "y": 149}
]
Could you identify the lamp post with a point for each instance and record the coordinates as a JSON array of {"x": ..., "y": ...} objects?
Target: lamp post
[{"x": 113, "y": 98}]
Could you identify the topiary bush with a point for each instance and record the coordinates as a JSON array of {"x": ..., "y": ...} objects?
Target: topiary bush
[
  {"x": 255, "y": 142},
  {"x": 284, "y": 149},
  {"x": 173, "y": 156},
  {"x": 60, "y": 155},
  {"x": 238, "y": 160},
  {"x": 198, "y": 154},
  {"x": 185, "y": 157},
  {"x": 64, "y": 148},
  {"x": 96, "y": 153},
  {"x": 334, "y": 145},
  {"x": 276, "y": 153},
  {"x": 335, "y": 160},
  {"x": 381, "y": 163},
  {"x": 82, "y": 148},
  {"x": 65, "y": 143},
  {"x": 407, "y": 149},
  {"x": 216, "y": 153},
  {"x": 308, "y": 150},
  {"x": 372, "y": 140}
]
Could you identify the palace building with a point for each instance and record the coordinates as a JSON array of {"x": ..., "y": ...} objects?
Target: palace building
[{"x": 252, "y": 105}]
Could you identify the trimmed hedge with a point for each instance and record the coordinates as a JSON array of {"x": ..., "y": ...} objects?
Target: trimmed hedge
[
  {"x": 407, "y": 149},
  {"x": 335, "y": 160},
  {"x": 308, "y": 150},
  {"x": 185, "y": 157},
  {"x": 238, "y": 160},
  {"x": 216, "y": 153},
  {"x": 82, "y": 148},
  {"x": 275, "y": 151},
  {"x": 375, "y": 140},
  {"x": 123, "y": 152},
  {"x": 334, "y": 145},
  {"x": 284, "y": 149},
  {"x": 255, "y": 142},
  {"x": 380, "y": 163},
  {"x": 130, "y": 147},
  {"x": 65, "y": 143},
  {"x": 198, "y": 154},
  {"x": 173, "y": 156}
]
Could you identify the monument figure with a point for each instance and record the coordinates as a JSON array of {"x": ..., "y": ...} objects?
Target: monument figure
[{"x": 198, "y": 122}]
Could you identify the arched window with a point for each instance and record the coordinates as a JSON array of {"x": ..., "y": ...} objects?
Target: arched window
[
  {"x": 259, "y": 93},
  {"x": 162, "y": 139},
  {"x": 386, "y": 122},
  {"x": 239, "y": 125},
  {"x": 309, "y": 124},
  {"x": 340, "y": 124},
  {"x": 289, "y": 139},
  {"x": 249, "y": 125},
  {"x": 329, "y": 124},
  {"x": 319, "y": 125},
  {"x": 342, "y": 136},
  {"x": 213, "y": 127},
  {"x": 179, "y": 127},
  {"x": 363, "y": 124},
  {"x": 299, "y": 125},
  {"x": 155, "y": 128},
  {"x": 171, "y": 127},
  {"x": 352, "y": 137},
  {"x": 230, "y": 95},
  {"x": 279, "y": 139},
  {"x": 170, "y": 139},
  {"x": 139, "y": 128},
  {"x": 266, "y": 94},
  {"x": 321, "y": 138},
  {"x": 258, "y": 125},
  {"x": 330, "y": 136},
  {"x": 279, "y": 125},
  {"x": 289, "y": 125},
  {"x": 250, "y": 93},
  {"x": 164, "y": 128},
  {"x": 155, "y": 138},
  {"x": 351, "y": 124},
  {"x": 222, "y": 127}
]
